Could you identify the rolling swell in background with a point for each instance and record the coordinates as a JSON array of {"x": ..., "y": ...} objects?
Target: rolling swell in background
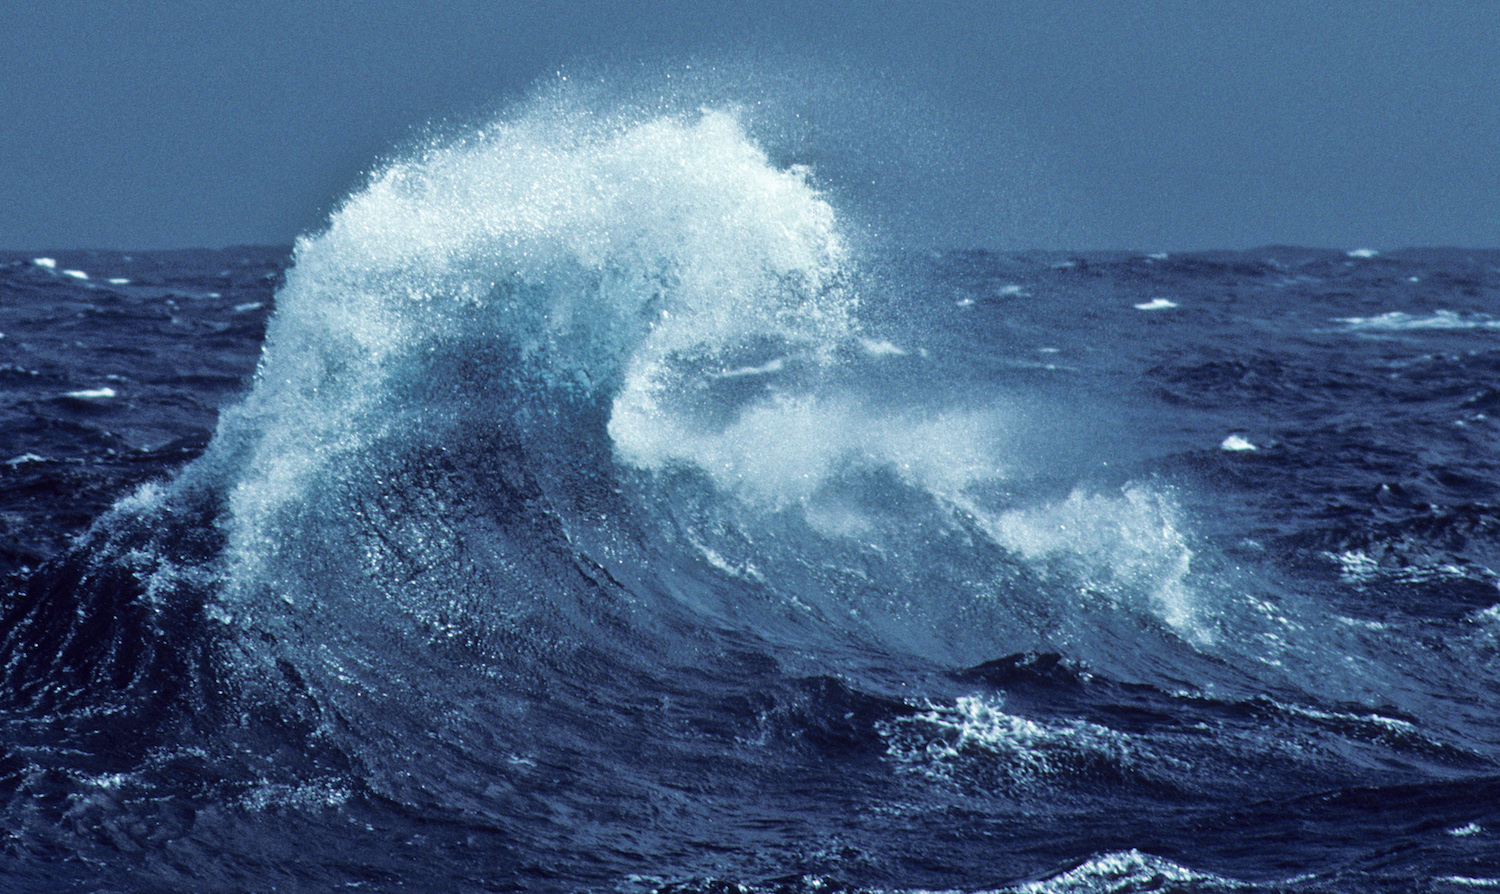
[{"x": 608, "y": 513}]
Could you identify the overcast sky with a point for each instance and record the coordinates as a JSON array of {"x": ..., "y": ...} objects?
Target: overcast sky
[{"x": 1060, "y": 124}]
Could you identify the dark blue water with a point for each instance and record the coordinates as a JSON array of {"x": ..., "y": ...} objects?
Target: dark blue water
[{"x": 589, "y": 508}]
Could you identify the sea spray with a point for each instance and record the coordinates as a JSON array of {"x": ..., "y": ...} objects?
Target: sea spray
[{"x": 591, "y": 263}]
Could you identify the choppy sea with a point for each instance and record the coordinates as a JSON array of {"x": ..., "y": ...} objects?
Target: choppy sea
[{"x": 589, "y": 509}]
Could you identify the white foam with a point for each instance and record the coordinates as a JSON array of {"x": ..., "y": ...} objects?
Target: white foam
[
  {"x": 111, "y": 782},
  {"x": 1128, "y": 549},
  {"x": 147, "y": 498},
  {"x": 1236, "y": 443},
  {"x": 1466, "y": 830},
  {"x": 742, "y": 570},
  {"x": 1356, "y": 566},
  {"x": 784, "y": 450},
  {"x": 25, "y": 459},
  {"x": 248, "y": 306},
  {"x": 76, "y": 274},
  {"x": 940, "y": 739},
  {"x": 881, "y": 348},
  {"x": 1400, "y": 321},
  {"x": 105, "y": 393},
  {"x": 770, "y": 367},
  {"x": 118, "y": 281},
  {"x": 1363, "y": 253},
  {"x": 1363, "y": 623},
  {"x": 1158, "y": 256},
  {"x": 1126, "y": 871},
  {"x": 310, "y": 796},
  {"x": 1390, "y": 724},
  {"x": 1156, "y": 304},
  {"x": 49, "y": 263}
]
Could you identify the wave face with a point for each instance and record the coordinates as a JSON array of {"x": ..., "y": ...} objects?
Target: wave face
[{"x": 606, "y": 513}]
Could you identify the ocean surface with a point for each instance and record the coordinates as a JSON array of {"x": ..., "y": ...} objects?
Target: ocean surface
[{"x": 592, "y": 508}]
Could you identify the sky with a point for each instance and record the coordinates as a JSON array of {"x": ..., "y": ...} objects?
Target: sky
[{"x": 1010, "y": 124}]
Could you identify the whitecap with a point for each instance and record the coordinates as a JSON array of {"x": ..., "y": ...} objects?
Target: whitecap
[
  {"x": 104, "y": 393},
  {"x": 1236, "y": 443},
  {"x": 1363, "y": 253},
  {"x": 1156, "y": 304},
  {"x": 49, "y": 263},
  {"x": 76, "y": 274},
  {"x": 940, "y": 739},
  {"x": 1126, "y": 871}
]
